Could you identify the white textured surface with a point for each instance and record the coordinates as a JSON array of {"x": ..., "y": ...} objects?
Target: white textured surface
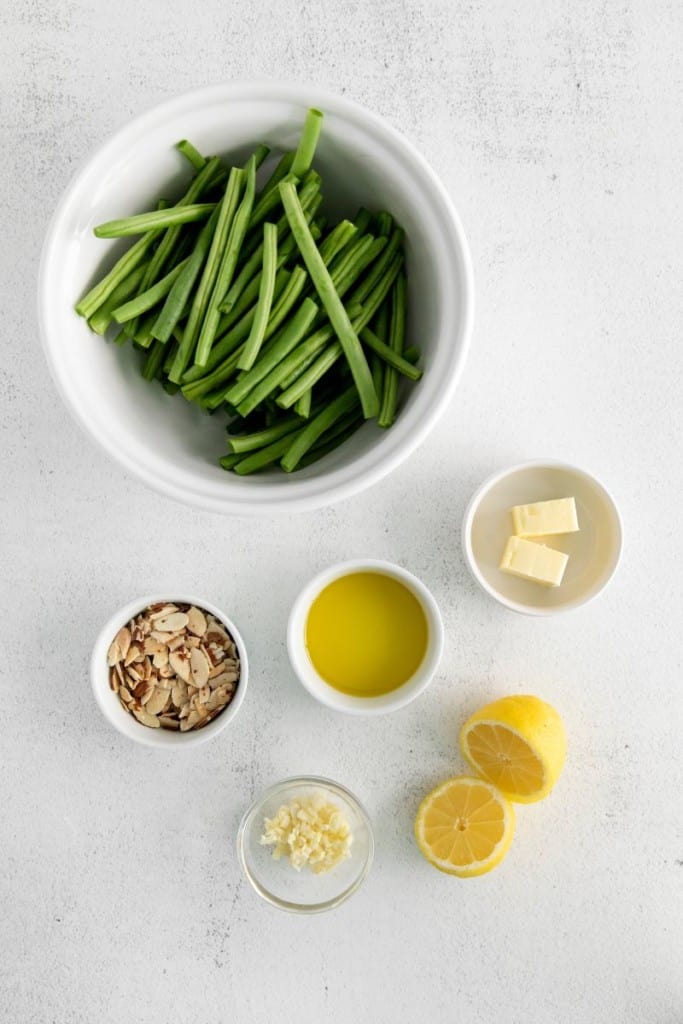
[{"x": 557, "y": 129}]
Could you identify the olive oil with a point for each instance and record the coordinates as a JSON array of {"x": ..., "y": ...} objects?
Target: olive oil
[{"x": 366, "y": 634}]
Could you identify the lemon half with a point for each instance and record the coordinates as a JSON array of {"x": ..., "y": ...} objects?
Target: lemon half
[{"x": 518, "y": 744}]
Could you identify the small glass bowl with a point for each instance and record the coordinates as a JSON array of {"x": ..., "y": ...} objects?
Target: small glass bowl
[{"x": 276, "y": 881}]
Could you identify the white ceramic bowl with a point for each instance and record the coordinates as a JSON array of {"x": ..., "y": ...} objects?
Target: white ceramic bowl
[
  {"x": 169, "y": 443},
  {"x": 124, "y": 722},
  {"x": 594, "y": 551},
  {"x": 316, "y": 685}
]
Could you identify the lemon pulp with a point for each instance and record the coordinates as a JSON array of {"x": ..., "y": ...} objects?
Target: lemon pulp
[{"x": 366, "y": 634}]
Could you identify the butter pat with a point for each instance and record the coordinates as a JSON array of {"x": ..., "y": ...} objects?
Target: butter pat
[
  {"x": 534, "y": 562},
  {"x": 545, "y": 518}
]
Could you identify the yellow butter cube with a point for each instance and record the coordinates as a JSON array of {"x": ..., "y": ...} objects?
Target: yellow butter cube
[
  {"x": 545, "y": 518},
  {"x": 534, "y": 562}
]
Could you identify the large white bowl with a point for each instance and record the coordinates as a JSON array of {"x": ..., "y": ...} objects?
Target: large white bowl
[{"x": 170, "y": 444}]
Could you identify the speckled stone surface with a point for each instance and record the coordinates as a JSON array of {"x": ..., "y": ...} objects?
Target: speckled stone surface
[{"x": 557, "y": 129}]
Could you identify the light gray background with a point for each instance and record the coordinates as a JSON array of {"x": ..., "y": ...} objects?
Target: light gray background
[{"x": 557, "y": 129}]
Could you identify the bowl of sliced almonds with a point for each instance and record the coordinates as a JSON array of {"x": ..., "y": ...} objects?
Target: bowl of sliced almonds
[{"x": 169, "y": 671}]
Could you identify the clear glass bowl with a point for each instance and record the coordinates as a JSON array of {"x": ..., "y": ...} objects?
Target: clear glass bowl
[{"x": 276, "y": 881}]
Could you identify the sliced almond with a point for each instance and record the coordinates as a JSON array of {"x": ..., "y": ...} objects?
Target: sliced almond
[
  {"x": 125, "y": 694},
  {"x": 200, "y": 667},
  {"x": 145, "y": 718},
  {"x": 166, "y": 672},
  {"x": 152, "y": 646},
  {"x": 178, "y": 640},
  {"x": 204, "y": 694},
  {"x": 134, "y": 673},
  {"x": 171, "y": 623},
  {"x": 163, "y": 638},
  {"x": 191, "y": 641},
  {"x": 156, "y": 702},
  {"x": 196, "y": 621},
  {"x": 223, "y": 678},
  {"x": 179, "y": 694},
  {"x": 168, "y": 723},
  {"x": 218, "y": 699},
  {"x": 160, "y": 657},
  {"x": 114, "y": 681},
  {"x": 189, "y": 723},
  {"x": 162, "y": 611},
  {"x": 123, "y": 640},
  {"x": 179, "y": 661},
  {"x": 143, "y": 689}
]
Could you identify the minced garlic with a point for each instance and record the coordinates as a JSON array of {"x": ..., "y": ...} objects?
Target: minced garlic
[{"x": 311, "y": 832}]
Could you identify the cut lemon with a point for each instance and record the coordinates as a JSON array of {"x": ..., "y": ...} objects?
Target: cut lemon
[
  {"x": 464, "y": 827},
  {"x": 518, "y": 744}
]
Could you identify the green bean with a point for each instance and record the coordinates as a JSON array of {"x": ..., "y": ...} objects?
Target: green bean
[
  {"x": 412, "y": 354},
  {"x": 389, "y": 356},
  {"x": 362, "y": 220},
  {"x": 283, "y": 307},
  {"x": 378, "y": 294},
  {"x": 179, "y": 295},
  {"x": 191, "y": 154},
  {"x": 143, "y": 332},
  {"x": 350, "y": 425},
  {"x": 308, "y": 140},
  {"x": 260, "y": 154},
  {"x": 265, "y": 299},
  {"x": 310, "y": 376},
  {"x": 384, "y": 222},
  {"x": 144, "y": 222},
  {"x": 166, "y": 249},
  {"x": 264, "y": 457},
  {"x": 380, "y": 267},
  {"x": 169, "y": 387},
  {"x": 381, "y": 329},
  {"x": 249, "y": 442},
  {"x": 303, "y": 405},
  {"x": 228, "y": 341},
  {"x": 148, "y": 299},
  {"x": 172, "y": 350},
  {"x": 339, "y": 238},
  {"x": 202, "y": 294},
  {"x": 387, "y": 410},
  {"x": 283, "y": 168},
  {"x": 226, "y": 269},
  {"x": 218, "y": 378},
  {"x": 264, "y": 377},
  {"x": 267, "y": 203},
  {"x": 331, "y": 301},
  {"x": 359, "y": 256},
  {"x": 154, "y": 360},
  {"x": 102, "y": 317},
  {"x": 229, "y": 461},
  {"x": 121, "y": 269},
  {"x": 307, "y": 437}
]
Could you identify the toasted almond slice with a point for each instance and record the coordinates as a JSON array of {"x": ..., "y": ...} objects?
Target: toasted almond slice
[
  {"x": 179, "y": 693},
  {"x": 160, "y": 657},
  {"x": 218, "y": 699},
  {"x": 152, "y": 646},
  {"x": 196, "y": 621},
  {"x": 165, "y": 684},
  {"x": 177, "y": 641},
  {"x": 215, "y": 636},
  {"x": 223, "y": 678},
  {"x": 189, "y": 723},
  {"x": 161, "y": 636},
  {"x": 168, "y": 723},
  {"x": 123, "y": 640},
  {"x": 200, "y": 667},
  {"x": 162, "y": 611},
  {"x": 145, "y": 718},
  {"x": 134, "y": 673},
  {"x": 125, "y": 694},
  {"x": 156, "y": 702},
  {"x": 113, "y": 680},
  {"x": 185, "y": 711},
  {"x": 148, "y": 693},
  {"x": 179, "y": 661},
  {"x": 171, "y": 623},
  {"x": 204, "y": 694},
  {"x": 146, "y": 668},
  {"x": 140, "y": 690},
  {"x": 114, "y": 655},
  {"x": 191, "y": 641},
  {"x": 134, "y": 655}
]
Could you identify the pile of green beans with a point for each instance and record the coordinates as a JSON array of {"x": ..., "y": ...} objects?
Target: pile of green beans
[{"x": 246, "y": 300}]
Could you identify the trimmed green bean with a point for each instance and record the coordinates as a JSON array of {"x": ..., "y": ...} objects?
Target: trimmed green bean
[
  {"x": 264, "y": 377},
  {"x": 121, "y": 269},
  {"x": 389, "y": 356},
  {"x": 362, "y": 220},
  {"x": 307, "y": 437},
  {"x": 230, "y": 461},
  {"x": 226, "y": 269},
  {"x": 148, "y": 299},
  {"x": 389, "y": 402},
  {"x": 203, "y": 292},
  {"x": 283, "y": 307},
  {"x": 264, "y": 457},
  {"x": 267, "y": 203},
  {"x": 351, "y": 424},
  {"x": 394, "y": 246},
  {"x": 144, "y": 222},
  {"x": 180, "y": 293},
  {"x": 353, "y": 263},
  {"x": 378, "y": 294},
  {"x": 102, "y": 317},
  {"x": 384, "y": 222},
  {"x": 339, "y": 238},
  {"x": 265, "y": 299},
  {"x": 308, "y": 140},
  {"x": 191, "y": 153},
  {"x": 310, "y": 376},
  {"x": 331, "y": 301},
  {"x": 249, "y": 442},
  {"x": 412, "y": 354},
  {"x": 154, "y": 361},
  {"x": 303, "y": 406}
]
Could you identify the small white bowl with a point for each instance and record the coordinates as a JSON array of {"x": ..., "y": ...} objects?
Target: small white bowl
[
  {"x": 316, "y": 685},
  {"x": 594, "y": 551},
  {"x": 109, "y": 703},
  {"x": 171, "y": 445}
]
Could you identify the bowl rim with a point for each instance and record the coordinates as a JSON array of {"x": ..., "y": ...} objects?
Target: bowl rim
[
  {"x": 539, "y": 611},
  {"x": 99, "y": 677},
  {"x": 336, "y": 788},
  {"x": 325, "y": 694},
  {"x": 331, "y": 493}
]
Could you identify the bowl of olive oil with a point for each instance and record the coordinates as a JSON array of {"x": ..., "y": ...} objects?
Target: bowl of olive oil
[{"x": 365, "y": 637}]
